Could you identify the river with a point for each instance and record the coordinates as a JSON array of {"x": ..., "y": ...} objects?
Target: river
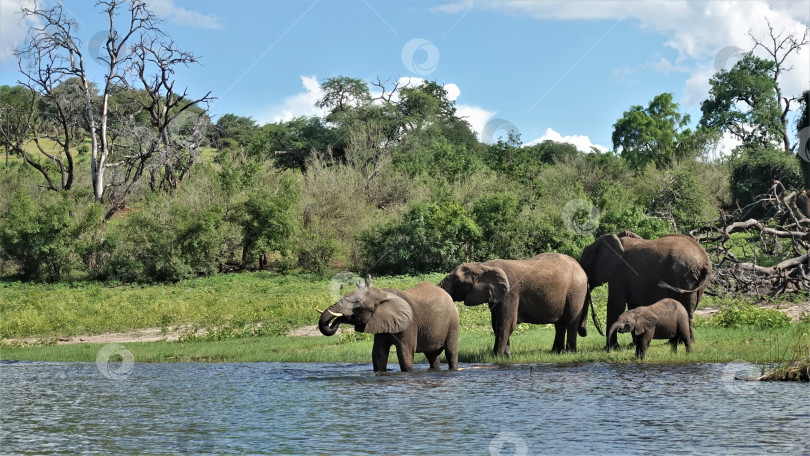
[{"x": 319, "y": 408}]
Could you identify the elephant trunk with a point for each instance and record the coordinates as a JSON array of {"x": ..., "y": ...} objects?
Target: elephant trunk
[
  {"x": 329, "y": 322},
  {"x": 612, "y": 331}
]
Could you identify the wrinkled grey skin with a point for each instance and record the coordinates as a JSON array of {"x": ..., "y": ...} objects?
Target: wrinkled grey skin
[
  {"x": 422, "y": 319},
  {"x": 640, "y": 272},
  {"x": 549, "y": 288},
  {"x": 665, "y": 319}
]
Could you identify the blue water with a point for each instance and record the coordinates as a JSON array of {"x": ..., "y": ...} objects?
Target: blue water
[{"x": 321, "y": 408}]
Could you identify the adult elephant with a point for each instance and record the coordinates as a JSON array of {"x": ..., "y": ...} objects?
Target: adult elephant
[
  {"x": 549, "y": 288},
  {"x": 640, "y": 272},
  {"x": 422, "y": 319}
]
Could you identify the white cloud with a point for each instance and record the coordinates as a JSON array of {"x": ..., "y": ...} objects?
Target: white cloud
[
  {"x": 476, "y": 116},
  {"x": 300, "y": 104},
  {"x": 697, "y": 30},
  {"x": 167, "y": 9},
  {"x": 581, "y": 142},
  {"x": 12, "y": 28}
]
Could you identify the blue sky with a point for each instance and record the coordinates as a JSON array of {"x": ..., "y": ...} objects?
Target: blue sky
[{"x": 553, "y": 69}]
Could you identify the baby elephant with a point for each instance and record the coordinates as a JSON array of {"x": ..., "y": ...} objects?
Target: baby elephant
[
  {"x": 665, "y": 319},
  {"x": 422, "y": 319}
]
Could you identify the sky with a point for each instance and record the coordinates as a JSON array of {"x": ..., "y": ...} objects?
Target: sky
[{"x": 560, "y": 70}]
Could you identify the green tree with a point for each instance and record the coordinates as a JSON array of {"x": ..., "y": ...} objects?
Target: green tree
[
  {"x": 239, "y": 129},
  {"x": 742, "y": 101},
  {"x": 17, "y": 110},
  {"x": 656, "y": 134}
]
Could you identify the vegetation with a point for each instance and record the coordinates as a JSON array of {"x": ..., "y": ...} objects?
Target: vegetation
[{"x": 123, "y": 204}]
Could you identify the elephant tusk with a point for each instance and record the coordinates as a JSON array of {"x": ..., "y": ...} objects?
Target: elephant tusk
[
  {"x": 334, "y": 314},
  {"x": 318, "y": 310}
]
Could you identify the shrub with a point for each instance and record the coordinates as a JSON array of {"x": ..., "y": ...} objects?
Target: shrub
[
  {"x": 428, "y": 237},
  {"x": 46, "y": 237},
  {"x": 740, "y": 314},
  {"x": 754, "y": 168}
]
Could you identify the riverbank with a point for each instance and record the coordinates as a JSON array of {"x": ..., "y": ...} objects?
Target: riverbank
[
  {"x": 531, "y": 345},
  {"x": 270, "y": 317}
]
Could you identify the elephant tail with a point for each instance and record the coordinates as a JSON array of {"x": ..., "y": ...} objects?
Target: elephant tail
[
  {"x": 583, "y": 318},
  {"x": 705, "y": 276}
]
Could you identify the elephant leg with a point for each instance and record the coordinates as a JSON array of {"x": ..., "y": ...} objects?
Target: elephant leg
[
  {"x": 687, "y": 342},
  {"x": 559, "y": 337},
  {"x": 451, "y": 349},
  {"x": 674, "y": 344},
  {"x": 379, "y": 353},
  {"x": 502, "y": 325},
  {"x": 434, "y": 359},
  {"x": 571, "y": 342},
  {"x": 405, "y": 355},
  {"x": 643, "y": 343},
  {"x": 615, "y": 306}
]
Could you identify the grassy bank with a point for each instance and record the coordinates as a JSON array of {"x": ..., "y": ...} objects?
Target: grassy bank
[
  {"x": 530, "y": 346},
  {"x": 248, "y": 317}
]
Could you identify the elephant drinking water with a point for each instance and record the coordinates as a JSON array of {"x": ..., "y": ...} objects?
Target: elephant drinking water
[{"x": 422, "y": 319}]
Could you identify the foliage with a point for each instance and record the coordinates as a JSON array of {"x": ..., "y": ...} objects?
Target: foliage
[
  {"x": 754, "y": 168},
  {"x": 429, "y": 237},
  {"x": 43, "y": 236},
  {"x": 743, "y": 102},
  {"x": 656, "y": 134},
  {"x": 739, "y": 314}
]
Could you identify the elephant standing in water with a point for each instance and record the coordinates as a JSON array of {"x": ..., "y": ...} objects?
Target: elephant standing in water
[
  {"x": 422, "y": 319},
  {"x": 549, "y": 288},
  {"x": 640, "y": 272}
]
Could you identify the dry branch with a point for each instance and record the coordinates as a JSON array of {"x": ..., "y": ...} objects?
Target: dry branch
[{"x": 779, "y": 219}]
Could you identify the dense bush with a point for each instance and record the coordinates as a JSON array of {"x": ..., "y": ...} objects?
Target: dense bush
[
  {"x": 46, "y": 237},
  {"x": 753, "y": 170},
  {"x": 738, "y": 314},
  {"x": 428, "y": 237}
]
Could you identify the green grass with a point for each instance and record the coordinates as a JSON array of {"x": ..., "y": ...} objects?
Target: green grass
[
  {"x": 531, "y": 346},
  {"x": 239, "y": 302},
  {"x": 248, "y": 316}
]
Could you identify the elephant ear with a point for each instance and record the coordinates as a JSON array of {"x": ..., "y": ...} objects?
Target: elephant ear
[
  {"x": 645, "y": 321},
  {"x": 391, "y": 315},
  {"x": 490, "y": 287},
  {"x": 609, "y": 258}
]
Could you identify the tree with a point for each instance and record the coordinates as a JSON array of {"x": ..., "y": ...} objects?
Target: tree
[
  {"x": 656, "y": 134},
  {"x": 16, "y": 108},
  {"x": 136, "y": 55},
  {"x": 239, "y": 129},
  {"x": 748, "y": 101}
]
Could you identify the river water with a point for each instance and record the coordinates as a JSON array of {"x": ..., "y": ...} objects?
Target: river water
[{"x": 318, "y": 408}]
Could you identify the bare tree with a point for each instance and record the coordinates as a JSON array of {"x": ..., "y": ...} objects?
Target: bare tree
[
  {"x": 779, "y": 46},
  {"x": 137, "y": 56}
]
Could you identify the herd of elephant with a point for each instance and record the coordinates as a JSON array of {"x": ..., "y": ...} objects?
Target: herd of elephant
[{"x": 660, "y": 281}]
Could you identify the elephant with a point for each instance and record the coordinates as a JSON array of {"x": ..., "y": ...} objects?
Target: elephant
[
  {"x": 422, "y": 319},
  {"x": 640, "y": 272},
  {"x": 549, "y": 288},
  {"x": 665, "y": 319}
]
